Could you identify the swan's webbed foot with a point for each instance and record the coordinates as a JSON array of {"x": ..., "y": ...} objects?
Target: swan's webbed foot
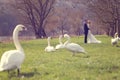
[
  {"x": 18, "y": 72},
  {"x": 19, "y": 75},
  {"x": 8, "y": 73}
]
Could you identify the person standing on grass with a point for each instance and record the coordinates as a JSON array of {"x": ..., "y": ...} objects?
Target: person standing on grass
[{"x": 86, "y": 29}]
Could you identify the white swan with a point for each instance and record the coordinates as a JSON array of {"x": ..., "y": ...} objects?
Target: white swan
[
  {"x": 14, "y": 58},
  {"x": 115, "y": 40},
  {"x": 60, "y": 45},
  {"x": 73, "y": 47},
  {"x": 49, "y": 48}
]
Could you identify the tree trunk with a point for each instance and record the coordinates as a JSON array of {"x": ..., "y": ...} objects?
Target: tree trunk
[
  {"x": 119, "y": 27},
  {"x": 41, "y": 33}
]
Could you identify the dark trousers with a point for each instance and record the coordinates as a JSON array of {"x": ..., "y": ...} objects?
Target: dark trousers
[{"x": 85, "y": 39}]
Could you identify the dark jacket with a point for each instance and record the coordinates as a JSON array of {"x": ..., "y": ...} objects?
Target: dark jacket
[{"x": 86, "y": 28}]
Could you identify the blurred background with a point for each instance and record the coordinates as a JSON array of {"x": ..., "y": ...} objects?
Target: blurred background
[{"x": 45, "y": 18}]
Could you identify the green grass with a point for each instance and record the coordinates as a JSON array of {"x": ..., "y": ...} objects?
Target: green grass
[{"x": 101, "y": 63}]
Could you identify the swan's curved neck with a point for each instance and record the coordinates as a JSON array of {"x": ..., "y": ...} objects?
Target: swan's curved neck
[
  {"x": 116, "y": 35},
  {"x": 48, "y": 41},
  {"x": 16, "y": 41},
  {"x": 68, "y": 41}
]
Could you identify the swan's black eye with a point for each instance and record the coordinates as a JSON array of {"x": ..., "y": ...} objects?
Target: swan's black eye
[{"x": 24, "y": 28}]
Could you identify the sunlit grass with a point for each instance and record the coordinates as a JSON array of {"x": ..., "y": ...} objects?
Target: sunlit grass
[{"x": 102, "y": 63}]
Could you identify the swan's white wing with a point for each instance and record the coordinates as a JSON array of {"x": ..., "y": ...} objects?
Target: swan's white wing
[
  {"x": 11, "y": 59},
  {"x": 4, "y": 58},
  {"x": 75, "y": 47},
  {"x": 59, "y": 46},
  {"x": 114, "y": 41},
  {"x": 49, "y": 49}
]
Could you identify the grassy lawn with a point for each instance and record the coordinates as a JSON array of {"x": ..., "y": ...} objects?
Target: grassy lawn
[{"x": 102, "y": 61}]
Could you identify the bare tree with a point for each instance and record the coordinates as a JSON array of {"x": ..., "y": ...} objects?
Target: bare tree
[
  {"x": 69, "y": 13},
  {"x": 36, "y": 12},
  {"x": 7, "y": 19},
  {"x": 107, "y": 12},
  {"x": 62, "y": 23}
]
